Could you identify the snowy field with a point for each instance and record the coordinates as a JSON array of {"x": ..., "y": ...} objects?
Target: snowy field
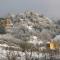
[{"x": 18, "y": 55}]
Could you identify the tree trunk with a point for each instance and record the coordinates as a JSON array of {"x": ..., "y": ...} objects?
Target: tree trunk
[
  {"x": 38, "y": 55},
  {"x": 26, "y": 57},
  {"x": 31, "y": 55}
]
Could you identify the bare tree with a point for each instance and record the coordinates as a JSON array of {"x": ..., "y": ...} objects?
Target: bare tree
[
  {"x": 25, "y": 48},
  {"x": 46, "y": 35},
  {"x": 11, "y": 55}
]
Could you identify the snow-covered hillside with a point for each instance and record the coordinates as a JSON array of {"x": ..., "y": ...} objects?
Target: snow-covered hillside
[{"x": 30, "y": 27}]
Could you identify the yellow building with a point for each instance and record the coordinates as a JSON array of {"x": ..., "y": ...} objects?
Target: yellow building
[
  {"x": 53, "y": 45},
  {"x": 6, "y": 23}
]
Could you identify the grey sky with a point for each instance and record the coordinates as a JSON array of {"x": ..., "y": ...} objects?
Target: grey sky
[{"x": 50, "y": 8}]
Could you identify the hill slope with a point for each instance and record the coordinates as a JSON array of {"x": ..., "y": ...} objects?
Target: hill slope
[{"x": 30, "y": 25}]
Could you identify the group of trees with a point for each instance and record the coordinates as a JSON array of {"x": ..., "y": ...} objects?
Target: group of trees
[
  {"x": 41, "y": 28},
  {"x": 26, "y": 48},
  {"x": 2, "y": 28}
]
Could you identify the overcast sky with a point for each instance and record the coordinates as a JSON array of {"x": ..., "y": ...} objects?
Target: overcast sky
[{"x": 50, "y": 8}]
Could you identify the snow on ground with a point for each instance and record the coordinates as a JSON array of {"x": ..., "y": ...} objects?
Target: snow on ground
[
  {"x": 34, "y": 40},
  {"x": 3, "y": 53},
  {"x": 29, "y": 27},
  {"x": 22, "y": 55},
  {"x": 4, "y": 45}
]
